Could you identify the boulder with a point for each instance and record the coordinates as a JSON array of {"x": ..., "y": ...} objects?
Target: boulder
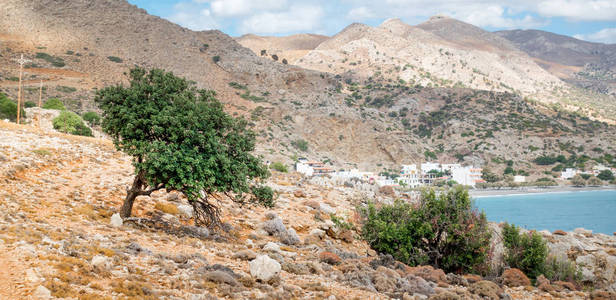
[
  {"x": 116, "y": 220},
  {"x": 100, "y": 262},
  {"x": 329, "y": 258},
  {"x": 245, "y": 255},
  {"x": 186, "y": 210},
  {"x": 487, "y": 289},
  {"x": 219, "y": 276},
  {"x": 428, "y": 273},
  {"x": 326, "y": 209},
  {"x": 270, "y": 246},
  {"x": 299, "y": 194},
  {"x": 312, "y": 204},
  {"x": 317, "y": 232},
  {"x": 274, "y": 226},
  {"x": 290, "y": 237},
  {"x": 514, "y": 277},
  {"x": 559, "y": 232},
  {"x": 42, "y": 292},
  {"x": 264, "y": 268}
]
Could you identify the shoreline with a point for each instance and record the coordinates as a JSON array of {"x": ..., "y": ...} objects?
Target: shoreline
[{"x": 537, "y": 190}]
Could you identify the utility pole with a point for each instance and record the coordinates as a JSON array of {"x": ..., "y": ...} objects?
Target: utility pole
[
  {"x": 41, "y": 94},
  {"x": 21, "y": 63}
]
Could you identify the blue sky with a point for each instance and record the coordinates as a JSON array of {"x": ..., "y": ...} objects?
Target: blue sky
[{"x": 593, "y": 20}]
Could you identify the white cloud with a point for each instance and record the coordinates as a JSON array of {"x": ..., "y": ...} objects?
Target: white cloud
[
  {"x": 192, "y": 16},
  {"x": 296, "y": 18},
  {"x": 495, "y": 16},
  {"x": 607, "y": 36},
  {"x": 234, "y": 8},
  {"x": 587, "y": 10},
  {"x": 360, "y": 13}
]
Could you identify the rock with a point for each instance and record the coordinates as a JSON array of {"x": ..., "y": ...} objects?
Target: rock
[
  {"x": 290, "y": 237},
  {"x": 487, "y": 289},
  {"x": 186, "y": 210},
  {"x": 445, "y": 295},
  {"x": 455, "y": 279},
  {"x": 565, "y": 284},
  {"x": 296, "y": 268},
  {"x": 313, "y": 204},
  {"x": 326, "y": 209},
  {"x": 541, "y": 280},
  {"x": 417, "y": 285},
  {"x": 346, "y": 235},
  {"x": 602, "y": 295},
  {"x": 559, "y": 232},
  {"x": 299, "y": 194},
  {"x": 219, "y": 276},
  {"x": 271, "y": 215},
  {"x": 383, "y": 282},
  {"x": 472, "y": 278},
  {"x": 270, "y": 246},
  {"x": 329, "y": 258},
  {"x": 245, "y": 255},
  {"x": 514, "y": 277},
  {"x": 582, "y": 231},
  {"x": 428, "y": 273},
  {"x": 371, "y": 252},
  {"x": 31, "y": 276},
  {"x": 42, "y": 292},
  {"x": 264, "y": 268},
  {"x": 249, "y": 243},
  {"x": 317, "y": 232},
  {"x": 274, "y": 226},
  {"x": 173, "y": 197},
  {"x": 100, "y": 262},
  {"x": 546, "y": 287},
  {"x": 116, "y": 220},
  {"x": 196, "y": 231}
]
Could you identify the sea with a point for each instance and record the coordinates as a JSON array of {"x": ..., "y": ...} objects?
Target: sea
[{"x": 594, "y": 210}]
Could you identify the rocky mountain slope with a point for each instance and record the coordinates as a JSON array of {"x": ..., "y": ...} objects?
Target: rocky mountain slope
[
  {"x": 586, "y": 64},
  {"x": 58, "y": 239},
  {"x": 349, "y": 116}
]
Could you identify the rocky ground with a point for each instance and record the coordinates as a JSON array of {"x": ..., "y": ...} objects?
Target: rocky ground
[{"x": 59, "y": 238}]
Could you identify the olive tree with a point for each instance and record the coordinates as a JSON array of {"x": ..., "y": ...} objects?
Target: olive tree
[{"x": 180, "y": 139}]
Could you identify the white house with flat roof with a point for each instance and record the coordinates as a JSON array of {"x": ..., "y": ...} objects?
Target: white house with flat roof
[
  {"x": 429, "y": 166},
  {"x": 467, "y": 175},
  {"x": 568, "y": 173}
]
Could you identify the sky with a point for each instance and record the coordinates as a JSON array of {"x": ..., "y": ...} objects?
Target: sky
[{"x": 591, "y": 20}]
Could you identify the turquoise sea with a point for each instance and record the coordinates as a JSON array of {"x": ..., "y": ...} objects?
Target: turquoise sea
[{"x": 595, "y": 210}]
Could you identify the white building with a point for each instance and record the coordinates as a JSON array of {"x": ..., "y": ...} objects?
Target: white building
[
  {"x": 467, "y": 175},
  {"x": 312, "y": 168},
  {"x": 429, "y": 166},
  {"x": 450, "y": 167},
  {"x": 519, "y": 179},
  {"x": 409, "y": 169},
  {"x": 355, "y": 173},
  {"x": 568, "y": 173}
]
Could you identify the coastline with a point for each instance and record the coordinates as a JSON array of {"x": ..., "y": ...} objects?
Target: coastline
[{"x": 537, "y": 190}]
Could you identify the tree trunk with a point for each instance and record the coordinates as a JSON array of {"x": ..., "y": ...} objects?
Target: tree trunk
[{"x": 131, "y": 195}]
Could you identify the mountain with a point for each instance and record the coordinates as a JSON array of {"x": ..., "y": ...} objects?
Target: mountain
[
  {"x": 290, "y": 47},
  {"x": 368, "y": 97},
  {"x": 586, "y": 64}
]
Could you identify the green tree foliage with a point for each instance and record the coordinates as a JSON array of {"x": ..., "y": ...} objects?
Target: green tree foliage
[
  {"x": 488, "y": 176},
  {"x": 606, "y": 175},
  {"x": 8, "y": 109},
  {"x": 180, "y": 139},
  {"x": 301, "y": 145},
  {"x": 29, "y": 104},
  {"x": 278, "y": 166},
  {"x": 527, "y": 252},
  {"x": 71, "y": 123},
  {"x": 263, "y": 195},
  {"x": 594, "y": 181},
  {"x": 92, "y": 118},
  {"x": 444, "y": 231},
  {"x": 54, "y": 103}
]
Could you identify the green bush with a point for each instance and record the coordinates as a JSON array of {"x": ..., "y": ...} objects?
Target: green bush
[
  {"x": 606, "y": 175},
  {"x": 92, "y": 118},
  {"x": 29, "y": 104},
  {"x": 444, "y": 231},
  {"x": 115, "y": 59},
  {"x": 54, "y": 103},
  {"x": 527, "y": 252},
  {"x": 594, "y": 181},
  {"x": 70, "y": 122},
  {"x": 263, "y": 195},
  {"x": 53, "y": 60},
  {"x": 578, "y": 180},
  {"x": 302, "y": 145},
  {"x": 561, "y": 269},
  {"x": 216, "y": 59},
  {"x": 278, "y": 166},
  {"x": 8, "y": 109}
]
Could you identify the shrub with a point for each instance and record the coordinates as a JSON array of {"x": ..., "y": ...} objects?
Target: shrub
[
  {"x": 29, "y": 104},
  {"x": 54, "y": 103},
  {"x": 92, "y": 118},
  {"x": 65, "y": 89},
  {"x": 561, "y": 269},
  {"x": 606, "y": 175},
  {"x": 263, "y": 195},
  {"x": 70, "y": 122},
  {"x": 578, "y": 180},
  {"x": 594, "y": 181},
  {"x": 8, "y": 109},
  {"x": 527, "y": 252},
  {"x": 115, "y": 59},
  {"x": 300, "y": 144},
  {"x": 53, "y": 60},
  {"x": 444, "y": 231},
  {"x": 278, "y": 166},
  {"x": 488, "y": 176},
  {"x": 216, "y": 59}
]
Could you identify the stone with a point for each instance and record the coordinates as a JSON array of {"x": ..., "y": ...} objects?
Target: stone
[
  {"x": 219, "y": 276},
  {"x": 274, "y": 226},
  {"x": 290, "y": 237},
  {"x": 270, "y": 246},
  {"x": 312, "y": 204},
  {"x": 299, "y": 194},
  {"x": 559, "y": 232},
  {"x": 384, "y": 283},
  {"x": 445, "y": 295},
  {"x": 42, "y": 292},
  {"x": 186, "y": 210},
  {"x": 325, "y": 208},
  {"x": 329, "y": 258},
  {"x": 31, "y": 276},
  {"x": 565, "y": 284},
  {"x": 196, "y": 231},
  {"x": 472, "y": 278},
  {"x": 602, "y": 295},
  {"x": 486, "y": 289},
  {"x": 100, "y": 262},
  {"x": 116, "y": 220},
  {"x": 296, "y": 268},
  {"x": 317, "y": 232},
  {"x": 264, "y": 268},
  {"x": 428, "y": 273},
  {"x": 541, "y": 280},
  {"x": 346, "y": 235},
  {"x": 514, "y": 277},
  {"x": 245, "y": 255},
  {"x": 418, "y": 285},
  {"x": 582, "y": 231}
]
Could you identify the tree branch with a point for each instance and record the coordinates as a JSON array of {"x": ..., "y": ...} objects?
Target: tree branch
[{"x": 150, "y": 191}]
